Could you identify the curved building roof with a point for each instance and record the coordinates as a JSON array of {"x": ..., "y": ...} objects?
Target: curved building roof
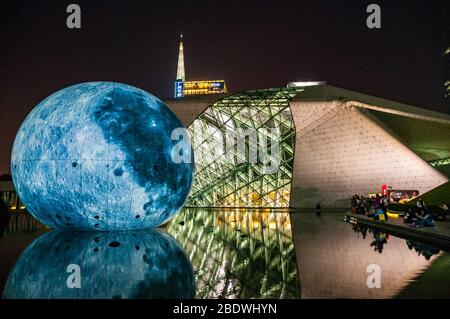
[{"x": 425, "y": 131}]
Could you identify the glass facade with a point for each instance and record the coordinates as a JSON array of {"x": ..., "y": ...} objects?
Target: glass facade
[
  {"x": 440, "y": 162},
  {"x": 222, "y": 178},
  {"x": 23, "y": 224},
  {"x": 239, "y": 253}
]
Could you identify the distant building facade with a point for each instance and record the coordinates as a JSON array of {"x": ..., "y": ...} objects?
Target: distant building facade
[{"x": 184, "y": 88}]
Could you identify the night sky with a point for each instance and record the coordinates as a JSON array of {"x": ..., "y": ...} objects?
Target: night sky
[{"x": 250, "y": 44}]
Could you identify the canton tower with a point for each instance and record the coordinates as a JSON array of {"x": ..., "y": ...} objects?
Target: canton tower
[{"x": 181, "y": 76}]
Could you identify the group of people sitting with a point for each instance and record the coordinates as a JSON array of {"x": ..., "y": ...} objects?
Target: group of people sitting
[
  {"x": 423, "y": 217},
  {"x": 373, "y": 206},
  {"x": 377, "y": 208}
]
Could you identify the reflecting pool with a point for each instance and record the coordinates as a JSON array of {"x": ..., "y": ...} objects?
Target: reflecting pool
[
  {"x": 239, "y": 253},
  {"x": 220, "y": 253},
  {"x": 334, "y": 258},
  {"x": 140, "y": 264}
]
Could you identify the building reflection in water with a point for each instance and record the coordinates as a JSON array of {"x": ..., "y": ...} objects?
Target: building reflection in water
[
  {"x": 236, "y": 253},
  {"x": 239, "y": 253},
  {"x": 333, "y": 259},
  {"x": 228, "y": 253},
  {"x": 140, "y": 264},
  {"x": 22, "y": 223},
  {"x": 380, "y": 239}
]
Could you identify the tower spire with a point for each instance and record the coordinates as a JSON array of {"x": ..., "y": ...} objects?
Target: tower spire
[{"x": 180, "y": 69}]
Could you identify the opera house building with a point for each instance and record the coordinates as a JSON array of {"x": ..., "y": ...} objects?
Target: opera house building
[{"x": 331, "y": 144}]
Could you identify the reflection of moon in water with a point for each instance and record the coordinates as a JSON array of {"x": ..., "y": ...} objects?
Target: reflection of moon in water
[
  {"x": 98, "y": 156},
  {"x": 140, "y": 264}
]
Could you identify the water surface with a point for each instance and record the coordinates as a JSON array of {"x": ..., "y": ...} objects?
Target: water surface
[{"x": 223, "y": 253}]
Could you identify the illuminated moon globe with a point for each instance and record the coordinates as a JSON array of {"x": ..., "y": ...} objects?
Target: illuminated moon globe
[{"x": 102, "y": 156}]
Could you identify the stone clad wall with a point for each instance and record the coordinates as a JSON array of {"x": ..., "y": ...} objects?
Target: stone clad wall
[{"x": 341, "y": 151}]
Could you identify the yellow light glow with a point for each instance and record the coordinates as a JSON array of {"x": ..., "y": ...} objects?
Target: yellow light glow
[
  {"x": 204, "y": 87},
  {"x": 393, "y": 215},
  {"x": 250, "y": 221}
]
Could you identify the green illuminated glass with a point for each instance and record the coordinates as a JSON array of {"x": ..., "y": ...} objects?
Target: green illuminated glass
[
  {"x": 239, "y": 253},
  {"x": 220, "y": 183},
  {"x": 440, "y": 162}
]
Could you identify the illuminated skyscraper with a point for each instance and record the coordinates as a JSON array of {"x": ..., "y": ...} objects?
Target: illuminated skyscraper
[
  {"x": 181, "y": 75},
  {"x": 201, "y": 87}
]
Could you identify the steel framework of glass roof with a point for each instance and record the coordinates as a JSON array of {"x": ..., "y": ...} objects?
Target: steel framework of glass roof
[
  {"x": 441, "y": 162},
  {"x": 239, "y": 253},
  {"x": 220, "y": 183}
]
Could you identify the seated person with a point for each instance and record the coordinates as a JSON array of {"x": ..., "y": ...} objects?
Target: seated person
[
  {"x": 424, "y": 220},
  {"x": 409, "y": 217},
  {"x": 443, "y": 210},
  {"x": 378, "y": 215}
]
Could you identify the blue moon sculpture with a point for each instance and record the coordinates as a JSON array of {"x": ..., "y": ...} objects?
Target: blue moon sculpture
[
  {"x": 98, "y": 156},
  {"x": 124, "y": 264}
]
